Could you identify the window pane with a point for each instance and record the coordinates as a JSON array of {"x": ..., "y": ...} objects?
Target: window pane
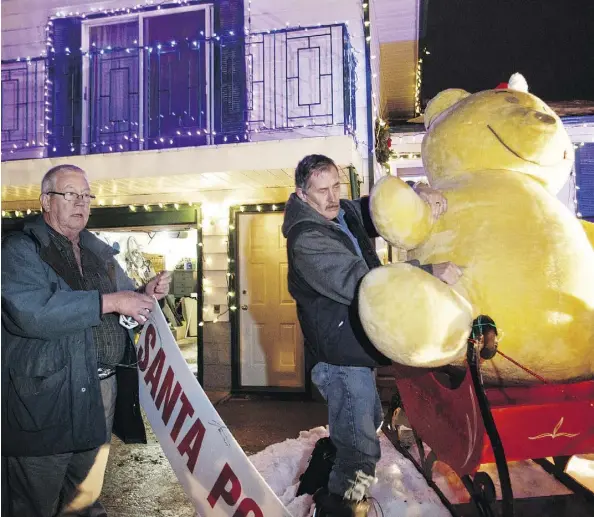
[
  {"x": 174, "y": 27},
  {"x": 114, "y": 81},
  {"x": 116, "y": 35}
]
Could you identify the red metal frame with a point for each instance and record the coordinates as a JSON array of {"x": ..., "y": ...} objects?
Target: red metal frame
[{"x": 532, "y": 421}]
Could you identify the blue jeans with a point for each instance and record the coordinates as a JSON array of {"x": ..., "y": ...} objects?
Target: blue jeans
[{"x": 354, "y": 415}]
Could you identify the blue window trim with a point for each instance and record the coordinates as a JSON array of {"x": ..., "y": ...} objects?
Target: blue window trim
[
  {"x": 230, "y": 84},
  {"x": 65, "y": 74},
  {"x": 584, "y": 179},
  {"x": 577, "y": 120}
]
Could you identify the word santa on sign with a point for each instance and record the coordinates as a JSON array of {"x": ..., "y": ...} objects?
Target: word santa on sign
[{"x": 216, "y": 474}]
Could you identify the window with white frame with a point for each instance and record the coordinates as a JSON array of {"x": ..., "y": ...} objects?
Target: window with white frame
[{"x": 146, "y": 80}]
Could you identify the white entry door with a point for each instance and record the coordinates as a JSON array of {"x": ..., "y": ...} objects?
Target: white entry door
[{"x": 270, "y": 342}]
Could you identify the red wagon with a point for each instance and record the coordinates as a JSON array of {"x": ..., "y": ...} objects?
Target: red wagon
[{"x": 466, "y": 425}]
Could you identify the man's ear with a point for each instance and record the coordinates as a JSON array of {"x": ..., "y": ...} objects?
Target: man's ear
[
  {"x": 300, "y": 193},
  {"x": 44, "y": 199}
]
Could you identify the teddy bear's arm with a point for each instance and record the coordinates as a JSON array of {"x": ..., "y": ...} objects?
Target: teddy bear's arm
[
  {"x": 400, "y": 216},
  {"x": 589, "y": 228}
]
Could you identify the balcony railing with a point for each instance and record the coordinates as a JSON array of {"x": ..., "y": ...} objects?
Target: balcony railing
[
  {"x": 301, "y": 78},
  {"x": 24, "y": 107},
  {"x": 180, "y": 94}
]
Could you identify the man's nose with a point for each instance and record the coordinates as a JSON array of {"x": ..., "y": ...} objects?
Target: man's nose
[
  {"x": 79, "y": 201},
  {"x": 333, "y": 197}
]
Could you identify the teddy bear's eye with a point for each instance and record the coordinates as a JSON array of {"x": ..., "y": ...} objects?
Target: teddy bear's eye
[{"x": 512, "y": 99}]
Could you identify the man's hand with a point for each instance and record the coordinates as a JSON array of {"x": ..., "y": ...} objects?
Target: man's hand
[
  {"x": 129, "y": 303},
  {"x": 159, "y": 286},
  {"x": 433, "y": 198},
  {"x": 447, "y": 272}
]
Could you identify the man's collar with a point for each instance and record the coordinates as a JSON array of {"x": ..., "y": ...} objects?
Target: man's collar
[
  {"x": 339, "y": 219},
  {"x": 60, "y": 240},
  {"x": 39, "y": 229}
]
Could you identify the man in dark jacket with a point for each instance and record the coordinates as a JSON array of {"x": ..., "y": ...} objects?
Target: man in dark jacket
[
  {"x": 329, "y": 252},
  {"x": 62, "y": 295}
]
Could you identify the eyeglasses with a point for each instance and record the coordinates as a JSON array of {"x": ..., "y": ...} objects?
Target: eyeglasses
[{"x": 73, "y": 196}]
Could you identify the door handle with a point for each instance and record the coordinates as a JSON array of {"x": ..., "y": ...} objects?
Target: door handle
[{"x": 244, "y": 307}]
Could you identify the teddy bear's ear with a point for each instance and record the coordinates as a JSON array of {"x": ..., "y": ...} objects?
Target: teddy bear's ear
[{"x": 441, "y": 102}]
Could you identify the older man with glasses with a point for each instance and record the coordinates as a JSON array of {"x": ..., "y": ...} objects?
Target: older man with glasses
[{"x": 62, "y": 296}]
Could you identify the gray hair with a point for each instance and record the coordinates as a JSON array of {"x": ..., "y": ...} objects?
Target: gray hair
[
  {"x": 48, "y": 183},
  {"x": 309, "y": 165}
]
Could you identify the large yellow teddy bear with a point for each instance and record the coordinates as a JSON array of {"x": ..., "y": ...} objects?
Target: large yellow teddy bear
[{"x": 499, "y": 157}]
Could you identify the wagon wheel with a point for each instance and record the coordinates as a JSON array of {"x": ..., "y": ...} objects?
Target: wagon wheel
[
  {"x": 561, "y": 462},
  {"x": 557, "y": 468},
  {"x": 482, "y": 490},
  {"x": 484, "y": 485},
  {"x": 426, "y": 459}
]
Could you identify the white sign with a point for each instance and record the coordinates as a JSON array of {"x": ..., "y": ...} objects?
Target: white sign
[{"x": 216, "y": 474}]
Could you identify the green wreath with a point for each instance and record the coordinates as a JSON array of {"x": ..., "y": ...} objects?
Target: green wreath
[{"x": 383, "y": 142}]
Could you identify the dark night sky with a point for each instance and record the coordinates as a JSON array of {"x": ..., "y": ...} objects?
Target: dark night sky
[{"x": 476, "y": 44}]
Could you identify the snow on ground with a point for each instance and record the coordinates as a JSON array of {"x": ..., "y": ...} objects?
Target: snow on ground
[{"x": 400, "y": 490}]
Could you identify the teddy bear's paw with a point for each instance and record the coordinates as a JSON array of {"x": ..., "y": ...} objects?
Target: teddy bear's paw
[
  {"x": 398, "y": 213},
  {"x": 413, "y": 318}
]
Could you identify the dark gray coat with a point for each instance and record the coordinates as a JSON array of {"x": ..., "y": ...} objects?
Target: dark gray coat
[
  {"x": 330, "y": 266},
  {"x": 51, "y": 399},
  {"x": 325, "y": 271}
]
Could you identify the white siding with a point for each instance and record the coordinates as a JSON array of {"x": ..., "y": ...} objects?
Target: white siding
[
  {"x": 378, "y": 109},
  {"x": 396, "y": 20},
  {"x": 375, "y": 54},
  {"x": 24, "y": 23},
  {"x": 397, "y": 23}
]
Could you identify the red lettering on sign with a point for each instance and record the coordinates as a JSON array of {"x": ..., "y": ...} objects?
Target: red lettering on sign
[
  {"x": 220, "y": 488},
  {"x": 248, "y": 507},
  {"x": 165, "y": 394},
  {"x": 185, "y": 411},
  {"x": 153, "y": 374},
  {"x": 150, "y": 337},
  {"x": 192, "y": 443}
]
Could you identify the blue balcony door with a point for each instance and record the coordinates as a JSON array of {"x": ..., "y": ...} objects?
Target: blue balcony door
[
  {"x": 147, "y": 81},
  {"x": 176, "y": 79}
]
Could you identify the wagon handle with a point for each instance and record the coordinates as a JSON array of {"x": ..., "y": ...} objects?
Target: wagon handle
[{"x": 491, "y": 429}]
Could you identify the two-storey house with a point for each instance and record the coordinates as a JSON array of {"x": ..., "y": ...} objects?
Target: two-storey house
[{"x": 189, "y": 117}]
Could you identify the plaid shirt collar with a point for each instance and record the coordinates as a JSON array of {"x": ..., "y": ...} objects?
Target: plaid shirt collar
[{"x": 61, "y": 241}]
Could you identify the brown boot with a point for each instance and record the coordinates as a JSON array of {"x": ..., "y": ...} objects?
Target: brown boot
[{"x": 333, "y": 505}]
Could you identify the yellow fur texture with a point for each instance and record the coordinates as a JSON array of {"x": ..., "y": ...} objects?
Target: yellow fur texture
[{"x": 499, "y": 157}]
